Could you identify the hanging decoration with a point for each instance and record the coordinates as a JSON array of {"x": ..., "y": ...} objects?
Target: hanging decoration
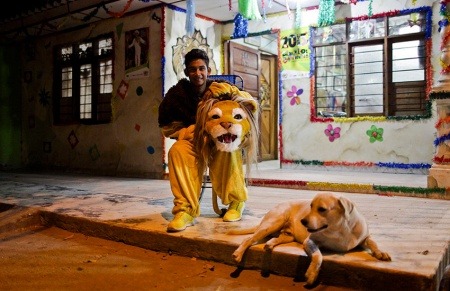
[
  {"x": 263, "y": 6},
  {"x": 240, "y": 26},
  {"x": 370, "y": 8},
  {"x": 190, "y": 17},
  {"x": 288, "y": 9},
  {"x": 298, "y": 14},
  {"x": 326, "y": 12},
  {"x": 121, "y": 13},
  {"x": 249, "y": 9}
]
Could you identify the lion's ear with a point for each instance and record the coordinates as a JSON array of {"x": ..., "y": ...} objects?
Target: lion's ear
[{"x": 248, "y": 101}]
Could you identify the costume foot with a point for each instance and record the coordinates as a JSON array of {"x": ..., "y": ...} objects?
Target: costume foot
[
  {"x": 234, "y": 212},
  {"x": 180, "y": 222}
]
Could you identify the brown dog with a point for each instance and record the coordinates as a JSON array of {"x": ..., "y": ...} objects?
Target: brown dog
[{"x": 327, "y": 221}]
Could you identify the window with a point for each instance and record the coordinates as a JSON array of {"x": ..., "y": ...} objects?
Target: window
[
  {"x": 83, "y": 81},
  {"x": 372, "y": 66}
]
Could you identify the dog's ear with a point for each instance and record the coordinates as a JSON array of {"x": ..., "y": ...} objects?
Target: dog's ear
[{"x": 347, "y": 205}]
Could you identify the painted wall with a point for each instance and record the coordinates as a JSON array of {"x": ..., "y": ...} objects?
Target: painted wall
[
  {"x": 407, "y": 145},
  {"x": 10, "y": 103},
  {"x": 131, "y": 144}
]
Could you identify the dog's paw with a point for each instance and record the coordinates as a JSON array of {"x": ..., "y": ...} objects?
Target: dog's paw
[
  {"x": 268, "y": 247},
  {"x": 311, "y": 275},
  {"x": 382, "y": 256},
  {"x": 237, "y": 256}
]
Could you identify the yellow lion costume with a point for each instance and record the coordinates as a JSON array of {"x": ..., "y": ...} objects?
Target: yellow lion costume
[{"x": 226, "y": 131}]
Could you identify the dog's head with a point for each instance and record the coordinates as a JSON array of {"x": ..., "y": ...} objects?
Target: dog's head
[{"x": 327, "y": 210}]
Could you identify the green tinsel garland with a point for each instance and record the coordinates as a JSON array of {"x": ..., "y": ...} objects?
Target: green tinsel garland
[
  {"x": 409, "y": 189},
  {"x": 326, "y": 12}
]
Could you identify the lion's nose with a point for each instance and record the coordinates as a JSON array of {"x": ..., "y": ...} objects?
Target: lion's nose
[{"x": 226, "y": 125}]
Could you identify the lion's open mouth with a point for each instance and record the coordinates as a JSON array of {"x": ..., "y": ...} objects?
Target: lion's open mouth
[
  {"x": 311, "y": 230},
  {"x": 227, "y": 138}
]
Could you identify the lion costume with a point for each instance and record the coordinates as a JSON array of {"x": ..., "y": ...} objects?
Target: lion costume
[
  {"x": 193, "y": 151},
  {"x": 226, "y": 129}
]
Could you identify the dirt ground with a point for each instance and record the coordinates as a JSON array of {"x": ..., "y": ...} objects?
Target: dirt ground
[{"x": 55, "y": 259}]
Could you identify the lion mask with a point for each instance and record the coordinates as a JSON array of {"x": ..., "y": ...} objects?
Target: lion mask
[{"x": 227, "y": 124}]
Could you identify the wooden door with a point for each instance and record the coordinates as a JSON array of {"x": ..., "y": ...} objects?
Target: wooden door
[
  {"x": 260, "y": 77},
  {"x": 245, "y": 62},
  {"x": 269, "y": 107}
]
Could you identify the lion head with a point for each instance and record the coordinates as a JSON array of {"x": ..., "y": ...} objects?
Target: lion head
[{"x": 227, "y": 123}]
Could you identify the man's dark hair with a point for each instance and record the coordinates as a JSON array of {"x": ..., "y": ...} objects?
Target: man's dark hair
[{"x": 196, "y": 54}]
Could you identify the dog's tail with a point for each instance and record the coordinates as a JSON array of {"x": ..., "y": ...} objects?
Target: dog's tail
[{"x": 238, "y": 231}]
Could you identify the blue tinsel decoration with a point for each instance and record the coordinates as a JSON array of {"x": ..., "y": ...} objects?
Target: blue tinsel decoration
[
  {"x": 190, "y": 17},
  {"x": 240, "y": 26}
]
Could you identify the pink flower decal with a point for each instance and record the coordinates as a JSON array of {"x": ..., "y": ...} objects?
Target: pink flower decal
[
  {"x": 294, "y": 94},
  {"x": 332, "y": 133}
]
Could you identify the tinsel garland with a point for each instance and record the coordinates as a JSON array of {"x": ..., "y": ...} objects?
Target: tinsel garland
[
  {"x": 240, "y": 26},
  {"x": 121, "y": 13},
  {"x": 439, "y": 95},
  {"x": 326, "y": 12},
  {"x": 403, "y": 166},
  {"x": 349, "y": 187},
  {"x": 441, "y": 160},
  {"x": 249, "y": 9},
  {"x": 288, "y": 10},
  {"x": 441, "y": 139},
  {"x": 312, "y": 54},
  {"x": 298, "y": 14},
  {"x": 263, "y": 6},
  {"x": 409, "y": 189},
  {"x": 348, "y": 164},
  {"x": 358, "y": 164},
  {"x": 162, "y": 49},
  {"x": 340, "y": 187},
  {"x": 428, "y": 69},
  {"x": 190, "y": 17},
  {"x": 370, "y": 8},
  {"x": 441, "y": 121}
]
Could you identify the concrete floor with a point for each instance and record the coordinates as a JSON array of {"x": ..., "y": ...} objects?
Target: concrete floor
[{"x": 415, "y": 231}]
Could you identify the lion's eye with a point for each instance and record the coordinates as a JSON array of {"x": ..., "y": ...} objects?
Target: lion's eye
[
  {"x": 238, "y": 117},
  {"x": 215, "y": 116}
]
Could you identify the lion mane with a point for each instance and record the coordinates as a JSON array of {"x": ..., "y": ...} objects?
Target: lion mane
[{"x": 203, "y": 139}]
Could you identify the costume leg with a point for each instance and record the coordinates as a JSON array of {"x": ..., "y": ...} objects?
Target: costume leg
[
  {"x": 185, "y": 178},
  {"x": 227, "y": 177}
]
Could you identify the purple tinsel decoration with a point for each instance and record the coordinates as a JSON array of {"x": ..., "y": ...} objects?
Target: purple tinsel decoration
[
  {"x": 240, "y": 26},
  {"x": 190, "y": 17}
]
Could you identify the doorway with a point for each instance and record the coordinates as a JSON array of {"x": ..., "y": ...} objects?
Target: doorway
[{"x": 255, "y": 59}]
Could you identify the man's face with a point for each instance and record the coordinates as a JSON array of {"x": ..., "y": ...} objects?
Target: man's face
[{"x": 197, "y": 72}]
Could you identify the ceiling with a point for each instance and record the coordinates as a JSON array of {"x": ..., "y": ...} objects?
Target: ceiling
[{"x": 27, "y": 18}]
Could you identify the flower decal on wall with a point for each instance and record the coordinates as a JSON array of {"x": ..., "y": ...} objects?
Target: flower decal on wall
[
  {"x": 294, "y": 95},
  {"x": 332, "y": 133},
  {"x": 375, "y": 134}
]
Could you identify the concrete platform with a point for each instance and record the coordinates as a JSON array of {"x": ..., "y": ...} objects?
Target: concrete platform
[{"x": 415, "y": 231}]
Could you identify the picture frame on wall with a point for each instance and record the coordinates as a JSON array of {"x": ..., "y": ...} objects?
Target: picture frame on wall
[{"x": 137, "y": 53}]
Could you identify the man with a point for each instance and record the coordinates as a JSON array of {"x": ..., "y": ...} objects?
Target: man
[{"x": 177, "y": 114}]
